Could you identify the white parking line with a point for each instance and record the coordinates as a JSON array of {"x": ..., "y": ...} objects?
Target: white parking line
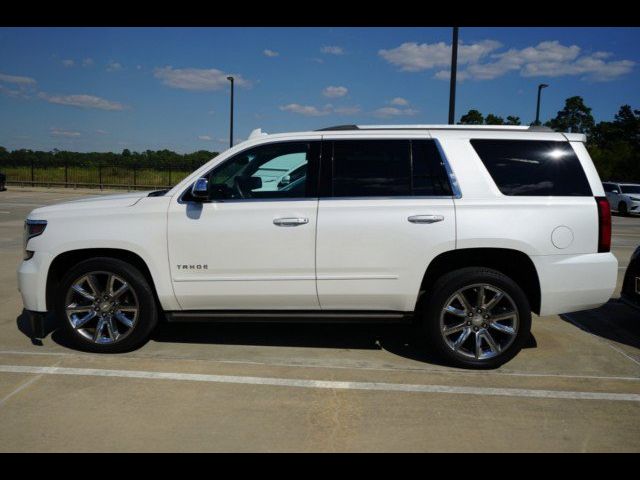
[
  {"x": 325, "y": 384},
  {"x": 327, "y": 366}
]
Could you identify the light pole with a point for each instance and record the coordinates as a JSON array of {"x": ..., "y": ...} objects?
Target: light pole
[
  {"x": 231, "y": 115},
  {"x": 540, "y": 87},
  {"x": 452, "y": 80}
]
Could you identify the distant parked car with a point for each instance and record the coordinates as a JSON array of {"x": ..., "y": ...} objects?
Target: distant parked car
[
  {"x": 623, "y": 197},
  {"x": 631, "y": 286},
  {"x": 3, "y": 182}
]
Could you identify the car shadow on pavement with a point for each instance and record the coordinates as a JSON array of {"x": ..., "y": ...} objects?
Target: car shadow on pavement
[
  {"x": 396, "y": 339},
  {"x": 613, "y": 321}
]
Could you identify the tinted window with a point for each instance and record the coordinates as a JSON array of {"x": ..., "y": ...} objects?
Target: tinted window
[
  {"x": 536, "y": 168},
  {"x": 276, "y": 170},
  {"x": 630, "y": 188},
  {"x": 607, "y": 187},
  {"x": 429, "y": 175},
  {"x": 371, "y": 168},
  {"x": 383, "y": 168}
]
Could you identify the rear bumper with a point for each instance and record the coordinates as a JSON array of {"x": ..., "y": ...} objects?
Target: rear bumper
[
  {"x": 32, "y": 281},
  {"x": 570, "y": 283}
]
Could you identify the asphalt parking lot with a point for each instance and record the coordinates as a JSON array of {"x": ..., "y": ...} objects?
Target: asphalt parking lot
[{"x": 315, "y": 388}]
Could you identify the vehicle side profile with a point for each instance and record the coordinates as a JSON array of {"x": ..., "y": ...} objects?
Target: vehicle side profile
[
  {"x": 624, "y": 198},
  {"x": 464, "y": 231}
]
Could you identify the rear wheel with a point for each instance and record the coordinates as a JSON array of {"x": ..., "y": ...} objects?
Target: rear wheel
[
  {"x": 622, "y": 208},
  {"x": 477, "y": 318},
  {"x": 106, "y": 305}
]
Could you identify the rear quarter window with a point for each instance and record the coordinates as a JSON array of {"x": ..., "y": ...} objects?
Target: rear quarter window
[{"x": 533, "y": 167}]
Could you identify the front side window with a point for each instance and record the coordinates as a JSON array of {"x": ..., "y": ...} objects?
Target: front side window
[
  {"x": 607, "y": 187},
  {"x": 387, "y": 168},
  {"x": 533, "y": 167},
  {"x": 277, "y": 170}
]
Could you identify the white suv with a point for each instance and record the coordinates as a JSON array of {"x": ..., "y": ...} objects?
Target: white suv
[
  {"x": 463, "y": 230},
  {"x": 623, "y": 197}
]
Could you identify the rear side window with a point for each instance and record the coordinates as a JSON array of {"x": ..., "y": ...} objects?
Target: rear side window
[
  {"x": 387, "y": 168},
  {"x": 533, "y": 168}
]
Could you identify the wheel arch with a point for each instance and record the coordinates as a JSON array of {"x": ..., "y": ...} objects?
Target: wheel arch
[
  {"x": 512, "y": 263},
  {"x": 66, "y": 260}
]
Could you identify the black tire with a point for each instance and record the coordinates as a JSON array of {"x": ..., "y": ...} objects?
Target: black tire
[
  {"x": 147, "y": 316},
  {"x": 622, "y": 208},
  {"x": 439, "y": 297}
]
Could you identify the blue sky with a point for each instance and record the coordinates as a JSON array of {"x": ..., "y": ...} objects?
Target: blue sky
[{"x": 106, "y": 89}]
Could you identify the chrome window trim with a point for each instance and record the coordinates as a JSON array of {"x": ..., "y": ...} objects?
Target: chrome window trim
[{"x": 455, "y": 187}]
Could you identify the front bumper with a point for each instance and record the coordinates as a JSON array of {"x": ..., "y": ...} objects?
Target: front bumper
[
  {"x": 634, "y": 207},
  {"x": 32, "y": 281},
  {"x": 570, "y": 283}
]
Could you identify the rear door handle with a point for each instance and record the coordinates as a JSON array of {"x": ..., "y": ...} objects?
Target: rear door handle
[
  {"x": 426, "y": 218},
  {"x": 290, "y": 221}
]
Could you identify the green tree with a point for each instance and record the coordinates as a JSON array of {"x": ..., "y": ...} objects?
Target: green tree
[
  {"x": 472, "y": 117},
  {"x": 512, "y": 120},
  {"x": 494, "y": 120},
  {"x": 575, "y": 117}
]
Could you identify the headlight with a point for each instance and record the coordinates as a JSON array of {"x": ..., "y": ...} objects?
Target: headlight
[{"x": 32, "y": 228}]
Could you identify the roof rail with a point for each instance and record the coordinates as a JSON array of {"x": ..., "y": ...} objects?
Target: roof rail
[
  {"x": 339, "y": 127},
  {"x": 531, "y": 128}
]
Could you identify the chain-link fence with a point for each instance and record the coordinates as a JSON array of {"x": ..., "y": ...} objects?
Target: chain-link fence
[{"x": 78, "y": 175}]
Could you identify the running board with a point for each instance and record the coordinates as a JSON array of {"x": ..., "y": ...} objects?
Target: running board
[{"x": 288, "y": 316}]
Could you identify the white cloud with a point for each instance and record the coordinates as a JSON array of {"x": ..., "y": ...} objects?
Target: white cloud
[
  {"x": 334, "y": 92},
  {"x": 306, "y": 110},
  {"x": 347, "y": 110},
  {"x": 113, "y": 66},
  {"x": 87, "y": 62},
  {"x": 68, "y": 63},
  {"x": 332, "y": 50},
  {"x": 83, "y": 101},
  {"x": 23, "y": 86},
  {"x": 270, "y": 53},
  {"x": 17, "y": 79},
  {"x": 59, "y": 132},
  {"x": 206, "y": 138},
  {"x": 102, "y": 132},
  {"x": 197, "y": 79},
  {"x": 313, "y": 111},
  {"x": 481, "y": 61},
  {"x": 386, "y": 112},
  {"x": 399, "y": 101},
  {"x": 414, "y": 57}
]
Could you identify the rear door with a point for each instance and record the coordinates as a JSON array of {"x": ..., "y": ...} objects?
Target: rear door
[{"x": 385, "y": 211}]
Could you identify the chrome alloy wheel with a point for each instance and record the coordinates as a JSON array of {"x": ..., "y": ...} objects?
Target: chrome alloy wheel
[
  {"x": 102, "y": 307},
  {"x": 479, "y": 321}
]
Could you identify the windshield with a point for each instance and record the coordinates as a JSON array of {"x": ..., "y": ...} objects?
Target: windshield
[{"x": 630, "y": 188}]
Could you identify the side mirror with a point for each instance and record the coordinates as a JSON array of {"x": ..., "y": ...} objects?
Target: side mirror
[
  {"x": 615, "y": 191},
  {"x": 286, "y": 180},
  {"x": 200, "y": 189}
]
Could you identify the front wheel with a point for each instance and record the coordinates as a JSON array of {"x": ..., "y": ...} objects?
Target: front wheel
[
  {"x": 477, "y": 318},
  {"x": 622, "y": 208},
  {"x": 106, "y": 305}
]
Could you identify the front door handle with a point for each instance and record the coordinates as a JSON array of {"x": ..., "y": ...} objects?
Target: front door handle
[
  {"x": 290, "y": 221},
  {"x": 426, "y": 218}
]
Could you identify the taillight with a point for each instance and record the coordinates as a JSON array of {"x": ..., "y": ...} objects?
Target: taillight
[{"x": 604, "y": 225}]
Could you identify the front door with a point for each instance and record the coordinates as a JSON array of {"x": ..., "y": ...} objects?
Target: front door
[{"x": 253, "y": 247}]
